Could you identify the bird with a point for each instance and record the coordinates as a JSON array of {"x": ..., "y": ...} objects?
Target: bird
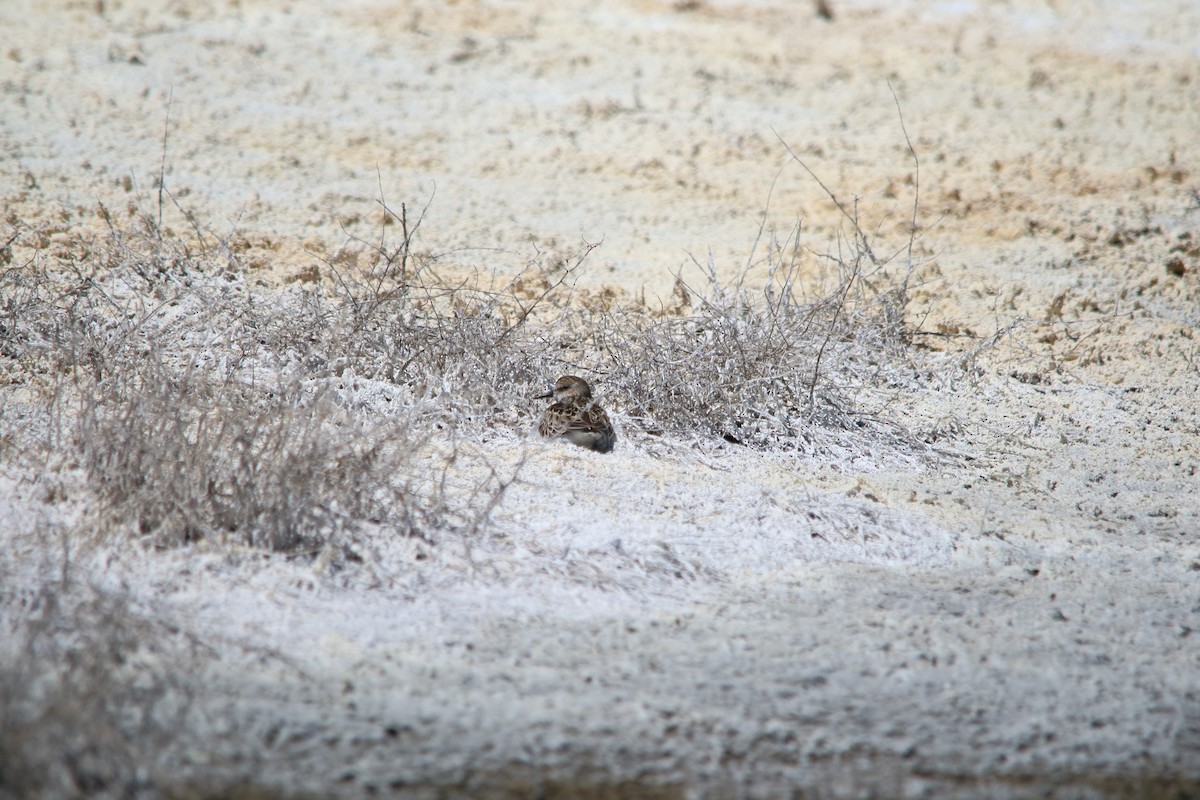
[{"x": 576, "y": 416}]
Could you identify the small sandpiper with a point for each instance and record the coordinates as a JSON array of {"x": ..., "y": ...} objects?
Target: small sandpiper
[{"x": 576, "y": 417}]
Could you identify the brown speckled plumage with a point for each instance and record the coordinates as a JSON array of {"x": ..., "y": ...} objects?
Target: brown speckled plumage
[{"x": 576, "y": 416}]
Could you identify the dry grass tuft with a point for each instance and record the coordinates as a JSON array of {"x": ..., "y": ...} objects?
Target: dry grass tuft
[
  {"x": 760, "y": 367},
  {"x": 187, "y": 458}
]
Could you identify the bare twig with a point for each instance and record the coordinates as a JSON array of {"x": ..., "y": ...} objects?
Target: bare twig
[
  {"x": 912, "y": 229},
  {"x": 862, "y": 237},
  {"x": 162, "y": 169}
]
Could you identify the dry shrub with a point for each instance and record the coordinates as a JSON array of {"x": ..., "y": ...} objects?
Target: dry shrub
[
  {"x": 92, "y": 694},
  {"x": 188, "y": 458},
  {"x": 204, "y": 410},
  {"x": 768, "y": 366},
  {"x": 764, "y": 366},
  {"x": 472, "y": 349},
  {"x": 780, "y": 366}
]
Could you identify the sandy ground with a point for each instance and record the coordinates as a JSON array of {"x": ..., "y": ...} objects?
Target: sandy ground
[{"x": 701, "y": 620}]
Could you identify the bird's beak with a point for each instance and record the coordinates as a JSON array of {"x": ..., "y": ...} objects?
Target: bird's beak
[{"x": 544, "y": 396}]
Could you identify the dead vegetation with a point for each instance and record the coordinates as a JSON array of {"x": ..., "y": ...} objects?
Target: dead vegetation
[
  {"x": 761, "y": 366},
  {"x": 203, "y": 412},
  {"x": 203, "y": 409},
  {"x": 150, "y": 385},
  {"x": 92, "y": 692}
]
